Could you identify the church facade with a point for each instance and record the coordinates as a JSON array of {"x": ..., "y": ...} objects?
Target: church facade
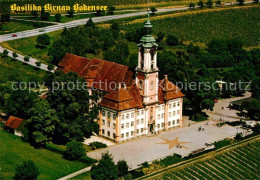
[{"x": 141, "y": 104}]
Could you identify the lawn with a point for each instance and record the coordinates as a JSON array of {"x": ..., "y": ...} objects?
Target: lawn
[
  {"x": 51, "y": 165},
  {"x": 26, "y": 46},
  {"x": 13, "y": 70},
  {"x": 18, "y": 26},
  {"x": 236, "y": 22}
]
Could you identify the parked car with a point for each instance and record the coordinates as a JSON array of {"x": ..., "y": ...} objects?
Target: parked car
[{"x": 14, "y": 35}]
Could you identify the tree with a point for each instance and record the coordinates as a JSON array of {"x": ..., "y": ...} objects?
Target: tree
[
  {"x": 192, "y": 6},
  {"x": 5, "y": 53},
  {"x": 57, "y": 17},
  {"x": 256, "y": 1},
  {"x": 72, "y": 106},
  {"x": 45, "y": 15},
  {"x": 209, "y": 3},
  {"x": 74, "y": 150},
  {"x": 38, "y": 63},
  {"x": 41, "y": 124},
  {"x": 251, "y": 109},
  {"x": 111, "y": 10},
  {"x": 172, "y": 40},
  {"x": 5, "y": 18},
  {"x": 26, "y": 58},
  {"x": 15, "y": 55},
  {"x": 153, "y": 9},
  {"x": 43, "y": 41},
  {"x": 218, "y": 3},
  {"x": 71, "y": 12},
  {"x": 160, "y": 36},
  {"x": 50, "y": 67},
  {"x": 106, "y": 168},
  {"x": 201, "y": 4},
  {"x": 90, "y": 23},
  {"x": 115, "y": 30},
  {"x": 241, "y": 2},
  {"x": 122, "y": 168},
  {"x": 98, "y": 13},
  {"x": 27, "y": 170},
  {"x": 34, "y": 14}
]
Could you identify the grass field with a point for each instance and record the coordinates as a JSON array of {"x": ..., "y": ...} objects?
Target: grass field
[
  {"x": 13, "y": 70},
  {"x": 237, "y": 22},
  {"x": 242, "y": 162},
  {"x": 51, "y": 165}
]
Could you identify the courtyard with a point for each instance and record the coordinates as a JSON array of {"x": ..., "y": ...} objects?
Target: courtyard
[{"x": 181, "y": 141}]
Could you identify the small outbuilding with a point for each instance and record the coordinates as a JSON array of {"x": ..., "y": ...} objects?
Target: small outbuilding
[{"x": 15, "y": 125}]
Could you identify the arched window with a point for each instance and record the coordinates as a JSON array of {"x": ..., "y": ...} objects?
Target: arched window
[{"x": 140, "y": 84}]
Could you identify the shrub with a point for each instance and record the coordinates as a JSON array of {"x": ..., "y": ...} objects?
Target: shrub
[
  {"x": 87, "y": 160},
  {"x": 201, "y": 4},
  {"x": 172, "y": 40},
  {"x": 38, "y": 63},
  {"x": 74, "y": 150},
  {"x": 43, "y": 41},
  {"x": 45, "y": 16},
  {"x": 90, "y": 23},
  {"x": 27, "y": 170},
  {"x": 57, "y": 17},
  {"x": 153, "y": 9},
  {"x": 256, "y": 1},
  {"x": 50, "y": 67},
  {"x": 241, "y": 2},
  {"x": 111, "y": 10},
  {"x": 26, "y": 58},
  {"x": 191, "y": 5},
  {"x": 209, "y": 3},
  {"x": 220, "y": 144},
  {"x": 160, "y": 36},
  {"x": 5, "y": 18},
  {"x": 34, "y": 14},
  {"x": 71, "y": 13},
  {"x": 97, "y": 145},
  {"x": 5, "y": 53},
  {"x": 218, "y": 3},
  {"x": 122, "y": 168},
  {"x": 15, "y": 55}
]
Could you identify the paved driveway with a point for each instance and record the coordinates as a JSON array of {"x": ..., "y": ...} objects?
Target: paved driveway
[{"x": 147, "y": 149}]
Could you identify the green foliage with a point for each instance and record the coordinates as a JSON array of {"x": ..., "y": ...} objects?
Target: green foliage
[
  {"x": 74, "y": 150},
  {"x": 192, "y": 6},
  {"x": 223, "y": 143},
  {"x": 26, "y": 58},
  {"x": 251, "y": 109},
  {"x": 111, "y": 10},
  {"x": 122, "y": 168},
  {"x": 26, "y": 171},
  {"x": 256, "y": 128},
  {"x": 41, "y": 124},
  {"x": 218, "y": 3},
  {"x": 34, "y": 14},
  {"x": 5, "y": 53},
  {"x": 5, "y": 18},
  {"x": 209, "y": 3},
  {"x": 50, "y": 67},
  {"x": 241, "y": 2},
  {"x": 38, "y": 64},
  {"x": 57, "y": 17},
  {"x": 106, "y": 168},
  {"x": 90, "y": 23},
  {"x": 45, "y": 15},
  {"x": 201, "y": 4},
  {"x": 153, "y": 9},
  {"x": 72, "y": 107},
  {"x": 172, "y": 40},
  {"x": 87, "y": 160},
  {"x": 71, "y": 12},
  {"x": 256, "y": 1},
  {"x": 160, "y": 36},
  {"x": 97, "y": 145},
  {"x": 43, "y": 41},
  {"x": 15, "y": 55}
]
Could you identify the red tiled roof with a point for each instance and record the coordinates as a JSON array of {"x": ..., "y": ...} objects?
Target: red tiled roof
[{"x": 14, "y": 122}]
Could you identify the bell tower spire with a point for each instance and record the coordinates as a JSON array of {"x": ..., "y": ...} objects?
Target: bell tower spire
[{"x": 147, "y": 70}]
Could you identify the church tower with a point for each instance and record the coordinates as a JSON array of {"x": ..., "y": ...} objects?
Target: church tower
[{"x": 147, "y": 71}]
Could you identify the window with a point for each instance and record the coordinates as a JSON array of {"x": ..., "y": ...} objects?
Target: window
[
  {"x": 108, "y": 115},
  {"x": 169, "y": 123},
  {"x": 114, "y": 125},
  {"x": 170, "y": 114},
  {"x": 132, "y": 133},
  {"x": 162, "y": 107},
  {"x": 132, "y": 124},
  {"x": 127, "y": 116},
  {"x": 151, "y": 85},
  {"x": 142, "y": 130},
  {"x": 123, "y": 117},
  {"x": 137, "y": 122},
  {"x": 114, "y": 116},
  {"x": 142, "y": 112},
  {"x": 170, "y": 105},
  {"x": 108, "y": 124},
  {"x": 138, "y": 113},
  {"x": 122, "y": 136},
  {"x": 127, "y": 125},
  {"x": 173, "y": 123},
  {"x": 178, "y": 121},
  {"x": 178, "y": 112},
  {"x": 137, "y": 131},
  {"x": 174, "y": 113},
  {"x": 103, "y": 131},
  {"x": 103, "y": 122},
  {"x": 142, "y": 121},
  {"x": 162, "y": 115},
  {"x": 132, "y": 115},
  {"x": 103, "y": 113},
  {"x": 114, "y": 135},
  {"x": 158, "y": 126},
  {"x": 127, "y": 134},
  {"x": 178, "y": 104},
  {"x": 158, "y": 116},
  {"x": 108, "y": 133},
  {"x": 122, "y": 126},
  {"x": 159, "y": 108},
  {"x": 162, "y": 125},
  {"x": 174, "y": 105}
]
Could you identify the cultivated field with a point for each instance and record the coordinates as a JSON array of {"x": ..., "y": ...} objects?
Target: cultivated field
[
  {"x": 242, "y": 162},
  {"x": 241, "y": 23}
]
